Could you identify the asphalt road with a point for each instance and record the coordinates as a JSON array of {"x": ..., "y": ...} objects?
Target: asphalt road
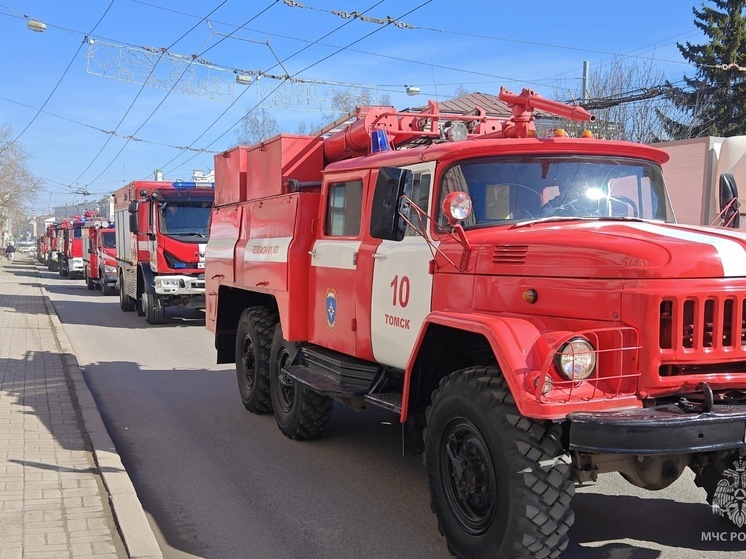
[{"x": 219, "y": 482}]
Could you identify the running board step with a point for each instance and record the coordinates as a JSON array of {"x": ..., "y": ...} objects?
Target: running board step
[
  {"x": 322, "y": 383},
  {"x": 388, "y": 400}
]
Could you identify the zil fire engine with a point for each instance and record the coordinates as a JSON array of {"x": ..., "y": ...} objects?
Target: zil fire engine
[
  {"x": 99, "y": 256},
  {"x": 161, "y": 234},
  {"x": 527, "y": 305}
]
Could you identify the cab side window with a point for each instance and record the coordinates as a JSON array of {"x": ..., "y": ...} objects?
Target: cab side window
[
  {"x": 344, "y": 209},
  {"x": 421, "y": 197}
]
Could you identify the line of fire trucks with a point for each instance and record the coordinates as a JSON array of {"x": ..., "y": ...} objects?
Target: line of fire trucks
[
  {"x": 153, "y": 254},
  {"x": 527, "y": 306}
]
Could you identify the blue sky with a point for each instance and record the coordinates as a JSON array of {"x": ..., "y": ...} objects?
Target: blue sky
[{"x": 90, "y": 89}]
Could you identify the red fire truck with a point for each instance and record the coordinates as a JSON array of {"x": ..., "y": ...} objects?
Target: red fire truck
[
  {"x": 70, "y": 245},
  {"x": 99, "y": 253},
  {"x": 47, "y": 247},
  {"x": 526, "y": 305},
  {"x": 162, "y": 231}
]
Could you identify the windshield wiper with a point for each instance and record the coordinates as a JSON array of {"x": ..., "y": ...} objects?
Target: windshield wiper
[
  {"x": 557, "y": 218},
  {"x": 549, "y": 219}
]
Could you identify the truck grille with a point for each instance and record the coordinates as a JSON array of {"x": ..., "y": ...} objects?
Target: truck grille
[
  {"x": 715, "y": 321},
  {"x": 709, "y": 325}
]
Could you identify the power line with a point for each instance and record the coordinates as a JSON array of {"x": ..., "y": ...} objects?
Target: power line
[
  {"x": 132, "y": 104},
  {"x": 110, "y": 132},
  {"x": 58, "y": 81},
  {"x": 304, "y": 69}
]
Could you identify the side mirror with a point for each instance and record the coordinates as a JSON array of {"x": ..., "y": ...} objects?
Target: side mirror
[
  {"x": 132, "y": 209},
  {"x": 729, "y": 204},
  {"x": 386, "y": 220}
]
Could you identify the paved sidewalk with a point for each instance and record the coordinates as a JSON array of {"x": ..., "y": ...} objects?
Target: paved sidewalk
[{"x": 63, "y": 490}]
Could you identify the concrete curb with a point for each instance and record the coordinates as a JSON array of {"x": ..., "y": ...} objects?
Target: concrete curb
[{"x": 129, "y": 515}]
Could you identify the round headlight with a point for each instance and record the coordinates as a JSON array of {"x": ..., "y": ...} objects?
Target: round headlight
[
  {"x": 576, "y": 359},
  {"x": 456, "y": 206}
]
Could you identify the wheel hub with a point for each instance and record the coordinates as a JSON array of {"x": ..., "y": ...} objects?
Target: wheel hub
[{"x": 469, "y": 477}]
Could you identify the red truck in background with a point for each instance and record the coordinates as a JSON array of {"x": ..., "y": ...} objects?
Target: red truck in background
[
  {"x": 47, "y": 248},
  {"x": 70, "y": 245},
  {"x": 99, "y": 256},
  {"x": 162, "y": 230},
  {"x": 527, "y": 306}
]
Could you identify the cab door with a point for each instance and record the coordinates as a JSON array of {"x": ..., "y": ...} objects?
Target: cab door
[
  {"x": 334, "y": 265},
  {"x": 402, "y": 283}
]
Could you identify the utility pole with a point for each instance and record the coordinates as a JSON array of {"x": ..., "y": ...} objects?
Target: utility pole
[{"x": 584, "y": 94}]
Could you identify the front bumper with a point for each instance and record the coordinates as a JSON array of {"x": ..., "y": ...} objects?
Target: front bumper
[
  {"x": 659, "y": 430},
  {"x": 179, "y": 285}
]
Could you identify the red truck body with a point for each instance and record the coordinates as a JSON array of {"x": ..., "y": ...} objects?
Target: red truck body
[
  {"x": 525, "y": 305},
  {"x": 47, "y": 247},
  {"x": 70, "y": 246},
  {"x": 161, "y": 230},
  {"x": 99, "y": 256}
]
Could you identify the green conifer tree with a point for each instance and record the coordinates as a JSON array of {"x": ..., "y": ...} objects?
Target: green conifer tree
[{"x": 713, "y": 102}]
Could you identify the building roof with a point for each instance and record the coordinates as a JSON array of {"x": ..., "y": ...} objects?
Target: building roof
[{"x": 490, "y": 103}]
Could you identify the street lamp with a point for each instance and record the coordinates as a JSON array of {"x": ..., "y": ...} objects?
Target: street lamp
[
  {"x": 411, "y": 89},
  {"x": 36, "y": 25}
]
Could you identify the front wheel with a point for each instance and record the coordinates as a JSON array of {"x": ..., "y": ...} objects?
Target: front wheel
[
  {"x": 106, "y": 288},
  {"x": 499, "y": 482},
  {"x": 300, "y": 412},
  {"x": 153, "y": 308}
]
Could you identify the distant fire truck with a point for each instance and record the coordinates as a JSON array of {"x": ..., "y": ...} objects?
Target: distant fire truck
[
  {"x": 162, "y": 231},
  {"x": 70, "y": 245},
  {"x": 99, "y": 253},
  {"x": 526, "y": 305}
]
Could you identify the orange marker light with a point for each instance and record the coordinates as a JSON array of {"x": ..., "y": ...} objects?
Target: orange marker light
[
  {"x": 560, "y": 132},
  {"x": 586, "y": 134},
  {"x": 530, "y": 296}
]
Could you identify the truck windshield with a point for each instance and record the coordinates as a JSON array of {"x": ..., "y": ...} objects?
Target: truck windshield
[
  {"x": 109, "y": 239},
  {"x": 189, "y": 218},
  {"x": 505, "y": 190}
]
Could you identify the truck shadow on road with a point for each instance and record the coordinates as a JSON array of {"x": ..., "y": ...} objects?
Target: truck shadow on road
[{"x": 660, "y": 521}]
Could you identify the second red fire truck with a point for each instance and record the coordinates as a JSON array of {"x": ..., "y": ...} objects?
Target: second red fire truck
[{"x": 162, "y": 231}]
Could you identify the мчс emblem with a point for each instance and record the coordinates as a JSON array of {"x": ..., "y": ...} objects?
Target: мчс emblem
[
  {"x": 331, "y": 309},
  {"x": 730, "y": 495}
]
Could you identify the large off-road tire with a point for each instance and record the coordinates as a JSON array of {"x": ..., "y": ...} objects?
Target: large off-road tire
[
  {"x": 300, "y": 412},
  {"x": 126, "y": 303},
  {"x": 154, "y": 311},
  {"x": 89, "y": 283},
  {"x": 253, "y": 342},
  {"x": 499, "y": 482}
]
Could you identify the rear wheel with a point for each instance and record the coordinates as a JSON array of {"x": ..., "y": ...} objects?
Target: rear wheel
[
  {"x": 300, "y": 412},
  {"x": 89, "y": 282},
  {"x": 153, "y": 308},
  {"x": 499, "y": 482},
  {"x": 126, "y": 303},
  {"x": 253, "y": 343}
]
